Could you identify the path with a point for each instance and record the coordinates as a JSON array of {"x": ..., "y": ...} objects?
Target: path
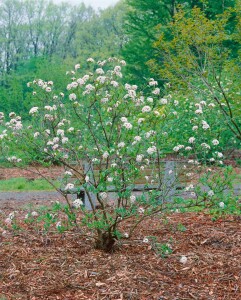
[{"x": 35, "y": 197}]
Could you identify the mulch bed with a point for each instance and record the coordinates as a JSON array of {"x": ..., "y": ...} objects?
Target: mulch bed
[{"x": 66, "y": 266}]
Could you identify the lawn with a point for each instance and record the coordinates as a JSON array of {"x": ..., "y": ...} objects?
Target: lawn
[{"x": 23, "y": 184}]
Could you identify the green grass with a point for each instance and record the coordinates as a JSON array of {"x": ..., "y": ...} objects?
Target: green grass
[{"x": 23, "y": 184}]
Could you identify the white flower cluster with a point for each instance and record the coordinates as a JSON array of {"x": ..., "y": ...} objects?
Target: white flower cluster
[
  {"x": 151, "y": 150},
  {"x": 77, "y": 203},
  {"x": 15, "y": 123},
  {"x": 146, "y": 109},
  {"x": 205, "y": 125},
  {"x": 14, "y": 159},
  {"x": 69, "y": 186},
  {"x": 153, "y": 82}
]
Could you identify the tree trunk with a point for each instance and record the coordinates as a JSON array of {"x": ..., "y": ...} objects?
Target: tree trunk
[{"x": 105, "y": 242}]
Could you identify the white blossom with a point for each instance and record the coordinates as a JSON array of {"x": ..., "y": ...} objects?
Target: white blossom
[
  {"x": 55, "y": 147},
  {"x": 140, "y": 120},
  {"x": 117, "y": 69},
  {"x": 34, "y": 214},
  {"x": 132, "y": 198},
  {"x": 183, "y": 259},
  {"x": 124, "y": 119},
  {"x": 58, "y": 224},
  {"x": 100, "y": 71},
  {"x": 156, "y": 91},
  {"x": 176, "y": 148},
  {"x": 121, "y": 145},
  {"x": 33, "y": 110},
  {"x": 205, "y": 125},
  {"x": 153, "y": 82},
  {"x": 72, "y": 96},
  {"x": 114, "y": 83},
  {"x": 191, "y": 140},
  {"x": 219, "y": 154},
  {"x": 77, "y": 203},
  {"x": 64, "y": 140},
  {"x": 221, "y": 204},
  {"x": 60, "y": 132},
  {"x": 139, "y": 157},
  {"x": 90, "y": 59},
  {"x": 215, "y": 142},
  {"x": 69, "y": 186},
  {"x": 103, "y": 195},
  {"x": 163, "y": 101},
  {"x": 105, "y": 154},
  {"x": 211, "y": 105},
  {"x": 211, "y": 193},
  {"x": 127, "y": 125},
  {"x": 137, "y": 138},
  {"x": 68, "y": 173},
  {"x": 151, "y": 150},
  {"x": 141, "y": 210},
  {"x": 8, "y": 221},
  {"x": 149, "y": 99},
  {"x": 205, "y": 145},
  {"x": 146, "y": 109},
  {"x": 145, "y": 240}
]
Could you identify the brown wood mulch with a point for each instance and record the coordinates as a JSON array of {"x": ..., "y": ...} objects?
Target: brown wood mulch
[{"x": 66, "y": 266}]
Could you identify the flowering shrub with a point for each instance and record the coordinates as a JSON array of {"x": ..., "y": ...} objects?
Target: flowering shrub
[{"x": 109, "y": 136}]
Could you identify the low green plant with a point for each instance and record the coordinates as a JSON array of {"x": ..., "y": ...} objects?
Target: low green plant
[
  {"x": 162, "y": 249},
  {"x": 181, "y": 227}
]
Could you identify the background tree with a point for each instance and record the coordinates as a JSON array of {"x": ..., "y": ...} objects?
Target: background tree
[
  {"x": 37, "y": 38},
  {"x": 142, "y": 19},
  {"x": 198, "y": 63}
]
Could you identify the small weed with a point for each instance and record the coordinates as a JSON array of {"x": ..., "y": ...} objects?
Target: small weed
[
  {"x": 181, "y": 227},
  {"x": 162, "y": 249}
]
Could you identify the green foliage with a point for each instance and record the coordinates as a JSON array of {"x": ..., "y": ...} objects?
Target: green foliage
[
  {"x": 142, "y": 20},
  {"x": 22, "y": 184},
  {"x": 40, "y": 39},
  {"x": 162, "y": 249},
  {"x": 197, "y": 62}
]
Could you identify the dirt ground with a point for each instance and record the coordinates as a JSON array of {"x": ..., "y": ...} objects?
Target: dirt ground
[
  {"x": 53, "y": 172},
  {"x": 34, "y": 265}
]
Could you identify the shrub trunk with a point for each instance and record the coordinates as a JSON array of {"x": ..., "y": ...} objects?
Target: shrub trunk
[{"x": 105, "y": 242}]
